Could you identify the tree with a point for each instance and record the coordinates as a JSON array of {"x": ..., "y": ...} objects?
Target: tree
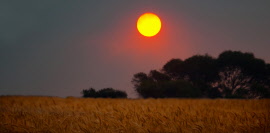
[
  {"x": 104, "y": 93},
  {"x": 157, "y": 76},
  {"x": 91, "y": 92},
  {"x": 174, "y": 68},
  {"x": 200, "y": 70},
  {"x": 233, "y": 83},
  {"x": 268, "y": 75},
  {"x": 159, "y": 85},
  {"x": 180, "y": 89},
  {"x": 249, "y": 65},
  {"x": 232, "y": 75},
  {"x": 139, "y": 78},
  {"x": 238, "y": 73},
  {"x": 259, "y": 91},
  {"x": 143, "y": 84},
  {"x": 111, "y": 93}
]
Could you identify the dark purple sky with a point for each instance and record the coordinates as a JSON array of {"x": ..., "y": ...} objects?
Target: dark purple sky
[{"x": 58, "y": 48}]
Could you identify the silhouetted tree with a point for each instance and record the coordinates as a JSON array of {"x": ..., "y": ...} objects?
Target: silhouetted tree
[
  {"x": 174, "y": 68},
  {"x": 200, "y": 70},
  {"x": 158, "y": 76},
  {"x": 159, "y": 85},
  {"x": 111, "y": 93},
  {"x": 233, "y": 83},
  {"x": 268, "y": 74},
  {"x": 91, "y": 92},
  {"x": 232, "y": 75},
  {"x": 259, "y": 91},
  {"x": 180, "y": 89},
  {"x": 104, "y": 93},
  {"x": 249, "y": 65},
  {"x": 143, "y": 84},
  {"x": 238, "y": 74},
  {"x": 139, "y": 78}
]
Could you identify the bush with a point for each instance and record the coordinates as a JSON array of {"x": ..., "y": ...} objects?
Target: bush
[{"x": 104, "y": 93}]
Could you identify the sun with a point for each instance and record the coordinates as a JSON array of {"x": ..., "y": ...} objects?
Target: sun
[{"x": 149, "y": 24}]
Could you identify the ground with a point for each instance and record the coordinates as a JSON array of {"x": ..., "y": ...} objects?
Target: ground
[{"x": 53, "y": 114}]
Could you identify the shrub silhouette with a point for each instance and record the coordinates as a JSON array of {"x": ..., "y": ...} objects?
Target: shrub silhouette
[{"x": 104, "y": 93}]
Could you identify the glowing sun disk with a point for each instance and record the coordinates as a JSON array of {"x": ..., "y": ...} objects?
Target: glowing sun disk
[{"x": 149, "y": 24}]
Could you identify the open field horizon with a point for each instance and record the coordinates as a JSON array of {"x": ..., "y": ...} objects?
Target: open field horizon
[
  {"x": 54, "y": 114},
  {"x": 134, "y": 66}
]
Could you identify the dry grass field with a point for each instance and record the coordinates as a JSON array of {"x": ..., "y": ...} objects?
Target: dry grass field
[{"x": 57, "y": 115}]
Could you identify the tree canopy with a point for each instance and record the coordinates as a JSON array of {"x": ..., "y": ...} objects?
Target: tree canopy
[
  {"x": 233, "y": 74},
  {"x": 103, "y": 93}
]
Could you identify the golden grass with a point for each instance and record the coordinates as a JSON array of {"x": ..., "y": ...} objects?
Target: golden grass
[{"x": 51, "y": 114}]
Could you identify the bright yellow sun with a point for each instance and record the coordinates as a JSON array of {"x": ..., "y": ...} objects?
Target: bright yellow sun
[{"x": 149, "y": 24}]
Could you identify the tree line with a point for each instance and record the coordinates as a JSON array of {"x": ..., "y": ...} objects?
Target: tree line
[{"x": 233, "y": 74}]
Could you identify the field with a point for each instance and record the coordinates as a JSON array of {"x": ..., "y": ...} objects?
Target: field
[{"x": 52, "y": 114}]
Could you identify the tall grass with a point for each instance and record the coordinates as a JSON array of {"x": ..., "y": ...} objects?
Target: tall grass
[{"x": 51, "y": 114}]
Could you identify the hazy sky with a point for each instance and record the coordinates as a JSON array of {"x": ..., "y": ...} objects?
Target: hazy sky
[{"x": 58, "y": 48}]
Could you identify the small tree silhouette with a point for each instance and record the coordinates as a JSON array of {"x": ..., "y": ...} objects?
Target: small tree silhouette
[
  {"x": 104, "y": 93},
  {"x": 91, "y": 92}
]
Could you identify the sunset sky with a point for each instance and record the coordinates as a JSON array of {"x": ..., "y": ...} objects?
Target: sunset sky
[{"x": 58, "y": 48}]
